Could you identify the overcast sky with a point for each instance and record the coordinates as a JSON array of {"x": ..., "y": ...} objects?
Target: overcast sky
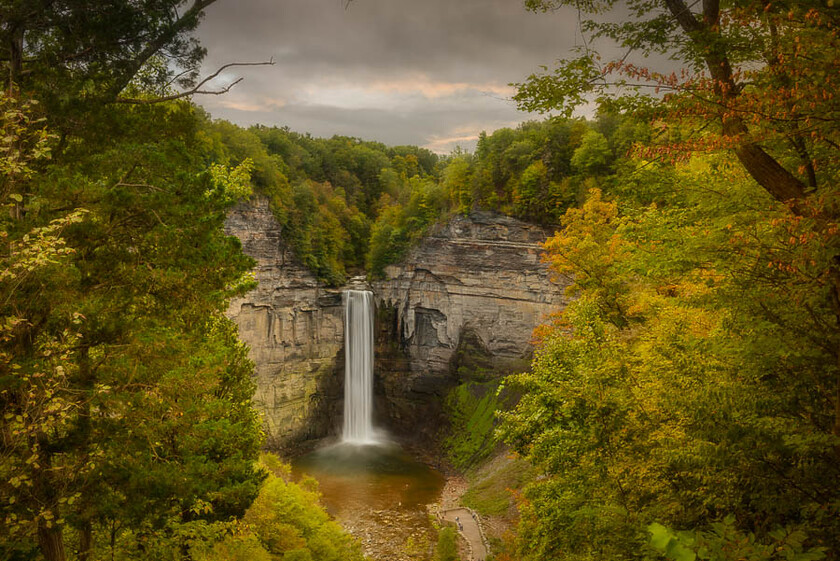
[{"x": 433, "y": 73}]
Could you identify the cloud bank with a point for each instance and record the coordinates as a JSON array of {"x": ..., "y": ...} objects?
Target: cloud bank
[{"x": 432, "y": 73}]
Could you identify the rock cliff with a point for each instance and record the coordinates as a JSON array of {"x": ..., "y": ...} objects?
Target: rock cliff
[
  {"x": 294, "y": 327},
  {"x": 466, "y": 298}
]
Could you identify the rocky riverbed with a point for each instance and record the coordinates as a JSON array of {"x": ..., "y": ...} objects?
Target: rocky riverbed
[
  {"x": 380, "y": 494},
  {"x": 396, "y": 534}
]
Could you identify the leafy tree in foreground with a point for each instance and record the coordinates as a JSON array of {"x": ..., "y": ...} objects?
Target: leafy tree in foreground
[
  {"x": 690, "y": 385},
  {"x": 75, "y": 55},
  {"x": 698, "y": 375},
  {"x": 125, "y": 394},
  {"x": 286, "y": 521}
]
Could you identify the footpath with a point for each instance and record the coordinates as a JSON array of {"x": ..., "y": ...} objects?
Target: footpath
[{"x": 468, "y": 527}]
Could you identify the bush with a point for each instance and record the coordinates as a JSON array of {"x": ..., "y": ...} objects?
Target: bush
[{"x": 447, "y": 546}]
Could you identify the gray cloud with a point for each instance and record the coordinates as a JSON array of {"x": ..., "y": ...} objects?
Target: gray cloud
[{"x": 397, "y": 71}]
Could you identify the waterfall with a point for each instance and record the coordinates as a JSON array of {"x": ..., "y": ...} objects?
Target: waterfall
[{"x": 358, "y": 367}]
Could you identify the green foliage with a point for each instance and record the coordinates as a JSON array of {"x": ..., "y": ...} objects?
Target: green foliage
[
  {"x": 235, "y": 548},
  {"x": 343, "y": 203},
  {"x": 230, "y": 185},
  {"x": 287, "y": 520},
  {"x": 670, "y": 545},
  {"x": 531, "y": 173},
  {"x": 674, "y": 390},
  {"x": 456, "y": 178},
  {"x": 593, "y": 155},
  {"x": 347, "y": 206},
  {"x": 471, "y": 409},
  {"x": 726, "y": 543},
  {"x": 493, "y": 483},
  {"x": 447, "y": 545},
  {"x": 400, "y": 225},
  {"x": 75, "y": 56},
  {"x": 125, "y": 392}
]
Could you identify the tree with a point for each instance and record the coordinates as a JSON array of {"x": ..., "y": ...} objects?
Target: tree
[
  {"x": 456, "y": 179},
  {"x": 124, "y": 392},
  {"x": 757, "y": 78},
  {"x": 593, "y": 155},
  {"x": 287, "y": 520},
  {"x": 33, "y": 392},
  {"x": 75, "y": 55},
  {"x": 672, "y": 390},
  {"x": 761, "y": 70}
]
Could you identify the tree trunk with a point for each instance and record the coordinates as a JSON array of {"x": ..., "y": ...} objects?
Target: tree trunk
[
  {"x": 51, "y": 542},
  {"x": 836, "y": 430},
  {"x": 835, "y": 274},
  {"x": 15, "y": 59},
  {"x": 775, "y": 179},
  {"x": 86, "y": 384},
  {"x": 85, "y": 540},
  {"x": 766, "y": 170},
  {"x": 113, "y": 539}
]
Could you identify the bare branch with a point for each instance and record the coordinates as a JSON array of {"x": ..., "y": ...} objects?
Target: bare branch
[
  {"x": 190, "y": 17},
  {"x": 197, "y": 90},
  {"x": 178, "y": 77}
]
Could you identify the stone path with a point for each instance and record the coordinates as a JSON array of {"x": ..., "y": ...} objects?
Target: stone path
[{"x": 469, "y": 529}]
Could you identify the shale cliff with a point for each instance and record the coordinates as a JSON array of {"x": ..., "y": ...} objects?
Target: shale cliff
[
  {"x": 463, "y": 303},
  {"x": 295, "y": 328}
]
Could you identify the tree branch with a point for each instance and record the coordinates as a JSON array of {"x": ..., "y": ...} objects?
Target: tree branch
[
  {"x": 711, "y": 12},
  {"x": 765, "y": 169},
  {"x": 684, "y": 16},
  {"x": 197, "y": 89},
  {"x": 190, "y": 17}
]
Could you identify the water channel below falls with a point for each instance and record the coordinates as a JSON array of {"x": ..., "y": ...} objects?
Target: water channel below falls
[
  {"x": 373, "y": 488},
  {"x": 379, "y": 493}
]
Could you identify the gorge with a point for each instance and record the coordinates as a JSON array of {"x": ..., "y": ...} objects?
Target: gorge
[
  {"x": 465, "y": 299},
  {"x": 169, "y": 393},
  {"x": 461, "y": 307}
]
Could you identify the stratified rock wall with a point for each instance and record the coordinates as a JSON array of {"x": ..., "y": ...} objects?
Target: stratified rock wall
[
  {"x": 477, "y": 278},
  {"x": 295, "y": 328},
  {"x": 476, "y": 285}
]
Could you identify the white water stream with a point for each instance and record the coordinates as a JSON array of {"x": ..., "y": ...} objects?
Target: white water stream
[
  {"x": 358, "y": 367},
  {"x": 374, "y": 488}
]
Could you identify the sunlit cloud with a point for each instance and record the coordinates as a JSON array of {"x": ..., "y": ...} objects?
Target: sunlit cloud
[
  {"x": 405, "y": 92},
  {"x": 252, "y": 106},
  {"x": 445, "y": 145},
  {"x": 433, "y": 89}
]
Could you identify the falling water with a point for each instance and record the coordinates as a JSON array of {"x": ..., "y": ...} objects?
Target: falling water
[{"x": 358, "y": 367}]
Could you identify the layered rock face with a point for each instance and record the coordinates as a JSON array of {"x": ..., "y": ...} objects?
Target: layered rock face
[
  {"x": 295, "y": 328},
  {"x": 474, "y": 286}
]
